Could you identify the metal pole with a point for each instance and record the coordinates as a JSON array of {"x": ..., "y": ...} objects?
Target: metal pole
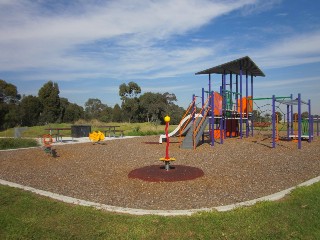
[
  {"x": 241, "y": 107},
  {"x": 247, "y": 123},
  {"x": 288, "y": 122},
  {"x": 225, "y": 106},
  {"x": 252, "y": 105},
  {"x": 231, "y": 106},
  {"x": 273, "y": 121},
  {"x": 221, "y": 118},
  {"x": 299, "y": 121},
  {"x": 203, "y": 111},
  {"x": 291, "y": 96},
  {"x": 212, "y": 121},
  {"x": 310, "y": 121},
  {"x": 237, "y": 89},
  {"x": 318, "y": 126}
]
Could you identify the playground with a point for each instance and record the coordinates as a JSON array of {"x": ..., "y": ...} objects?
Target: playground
[
  {"x": 220, "y": 153},
  {"x": 99, "y": 172}
]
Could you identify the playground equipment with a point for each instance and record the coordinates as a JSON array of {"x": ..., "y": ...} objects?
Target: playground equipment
[
  {"x": 167, "y": 160},
  {"x": 96, "y": 136},
  {"x": 181, "y": 129},
  {"x": 228, "y": 112},
  {"x": 297, "y": 128},
  {"x": 47, "y": 143}
]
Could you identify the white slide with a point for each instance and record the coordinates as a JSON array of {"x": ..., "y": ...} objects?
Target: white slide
[{"x": 176, "y": 131}]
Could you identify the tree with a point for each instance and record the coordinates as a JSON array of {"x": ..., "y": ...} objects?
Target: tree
[
  {"x": 9, "y": 99},
  {"x": 73, "y": 112},
  {"x": 305, "y": 115},
  {"x": 30, "y": 109},
  {"x": 117, "y": 113},
  {"x": 153, "y": 106},
  {"x": 94, "y": 108},
  {"x": 8, "y": 93},
  {"x": 279, "y": 116},
  {"x": 130, "y": 101},
  {"x": 129, "y": 91},
  {"x": 50, "y": 100}
]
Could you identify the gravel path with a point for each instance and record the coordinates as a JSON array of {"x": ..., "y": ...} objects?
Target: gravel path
[{"x": 236, "y": 171}]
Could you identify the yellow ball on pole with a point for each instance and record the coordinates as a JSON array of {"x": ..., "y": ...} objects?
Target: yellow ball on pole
[{"x": 167, "y": 119}]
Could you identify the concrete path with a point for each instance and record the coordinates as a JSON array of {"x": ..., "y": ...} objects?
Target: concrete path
[{"x": 133, "y": 211}]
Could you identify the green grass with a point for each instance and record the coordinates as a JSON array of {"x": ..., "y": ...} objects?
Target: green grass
[
  {"x": 13, "y": 143},
  {"x": 130, "y": 129},
  {"x": 24, "y": 215}
]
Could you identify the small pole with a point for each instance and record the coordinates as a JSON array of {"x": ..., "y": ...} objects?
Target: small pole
[{"x": 167, "y": 159}]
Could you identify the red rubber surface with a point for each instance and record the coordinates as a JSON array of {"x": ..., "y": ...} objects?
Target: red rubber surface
[{"x": 157, "y": 173}]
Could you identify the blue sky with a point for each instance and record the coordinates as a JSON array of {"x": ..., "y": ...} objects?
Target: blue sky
[{"x": 90, "y": 47}]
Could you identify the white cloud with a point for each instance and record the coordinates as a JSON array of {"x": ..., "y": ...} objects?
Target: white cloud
[
  {"x": 33, "y": 37},
  {"x": 296, "y": 50}
]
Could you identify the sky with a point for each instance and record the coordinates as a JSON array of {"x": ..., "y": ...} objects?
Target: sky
[{"x": 90, "y": 47}]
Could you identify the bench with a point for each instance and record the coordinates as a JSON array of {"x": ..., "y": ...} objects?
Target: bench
[{"x": 107, "y": 132}]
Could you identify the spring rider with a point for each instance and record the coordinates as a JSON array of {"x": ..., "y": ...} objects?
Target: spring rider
[{"x": 167, "y": 160}]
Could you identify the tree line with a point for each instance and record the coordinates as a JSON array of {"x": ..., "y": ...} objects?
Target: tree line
[{"x": 48, "y": 107}]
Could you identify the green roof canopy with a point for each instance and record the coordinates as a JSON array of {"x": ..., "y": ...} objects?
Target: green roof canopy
[{"x": 234, "y": 67}]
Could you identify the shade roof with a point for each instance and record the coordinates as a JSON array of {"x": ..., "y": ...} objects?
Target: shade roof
[{"x": 234, "y": 67}]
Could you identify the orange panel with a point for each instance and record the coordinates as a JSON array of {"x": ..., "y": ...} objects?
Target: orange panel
[
  {"x": 247, "y": 105},
  {"x": 217, "y": 104}
]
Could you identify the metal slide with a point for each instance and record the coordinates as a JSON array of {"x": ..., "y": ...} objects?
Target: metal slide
[
  {"x": 188, "y": 140},
  {"x": 176, "y": 131}
]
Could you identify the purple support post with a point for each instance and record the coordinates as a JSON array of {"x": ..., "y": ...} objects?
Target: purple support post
[
  {"x": 203, "y": 112},
  {"x": 288, "y": 122},
  {"x": 209, "y": 84},
  {"x": 241, "y": 107},
  {"x": 291, "y": 108},
  {"x": 299, "y": 121},
  {"x": 231, "y": 85},
  {"x": 225, "y": 105},
  {"x": 247, "y": 121},
  {"x": 212, "y": 120},
  {"x": 318, "y": 126},
  {"x": 252, "y": 105},
  {"x": 237, "y": 89},
  {"x": 273, "y": 121},
  {"x": 221, "y": 119},
  {"x": 310, "y": 121},
  {"x": 231, "y": 104}
]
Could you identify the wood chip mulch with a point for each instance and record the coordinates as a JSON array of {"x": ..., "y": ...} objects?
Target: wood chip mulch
[{"x": 235, "y": 171}]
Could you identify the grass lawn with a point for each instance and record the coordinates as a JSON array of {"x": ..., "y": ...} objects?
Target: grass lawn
[
  {"x": 25, "y": 215},
  {"x": 130, "y": 129}
]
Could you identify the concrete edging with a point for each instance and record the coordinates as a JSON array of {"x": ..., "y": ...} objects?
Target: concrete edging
[{"x": 134, "y": 211}]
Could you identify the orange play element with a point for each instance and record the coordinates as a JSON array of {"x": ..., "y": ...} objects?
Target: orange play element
[
  {"x": 217, "y": 104},
  {"x": 216, "y": 134},
  {"x": 247, "y": 104},
  {"x": 47, "y": 140}
]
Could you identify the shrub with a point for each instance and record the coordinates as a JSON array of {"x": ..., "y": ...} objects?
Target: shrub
[{"x": 13, "y": 143}]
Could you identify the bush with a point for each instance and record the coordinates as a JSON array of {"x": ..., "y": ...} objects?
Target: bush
[{"x": 13, "y": 143}]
